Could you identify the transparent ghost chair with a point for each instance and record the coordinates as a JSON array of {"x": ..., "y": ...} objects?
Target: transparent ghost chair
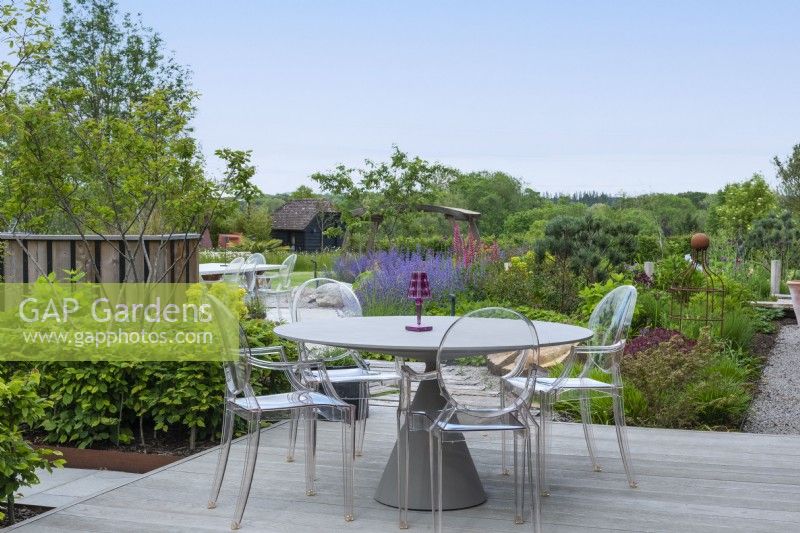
[
  {"x": 249, "y": 274},
  {"x": 321, "y": 298},
  {"x": 278, "y": 286},
  {"x": 610, "y": 321},
  {"x": 475, "y": 404},
  {"x": 234, "y": 275},
  {"x": 242, "y": 402}
]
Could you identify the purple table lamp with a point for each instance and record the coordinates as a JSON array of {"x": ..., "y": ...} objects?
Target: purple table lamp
[{"x": 419, "y": 290}]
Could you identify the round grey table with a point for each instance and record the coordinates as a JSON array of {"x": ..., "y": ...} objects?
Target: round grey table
[{"x": 387, "y": 335}]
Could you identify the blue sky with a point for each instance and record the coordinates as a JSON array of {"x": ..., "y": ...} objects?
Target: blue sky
[{"x": 611, "y": 96}]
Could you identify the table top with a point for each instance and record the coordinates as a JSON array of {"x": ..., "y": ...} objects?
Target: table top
[
  {"x": 210, "y": 269},
  {"x": 387, "y": 334}
]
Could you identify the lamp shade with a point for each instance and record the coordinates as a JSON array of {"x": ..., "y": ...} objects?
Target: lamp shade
[{"x": 418, "y": 287}]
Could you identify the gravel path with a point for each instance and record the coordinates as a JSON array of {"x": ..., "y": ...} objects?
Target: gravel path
[{"x": 776, "y": 407}]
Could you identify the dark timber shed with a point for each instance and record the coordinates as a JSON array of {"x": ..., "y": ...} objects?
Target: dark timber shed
[{"x": 300, "y": 224}]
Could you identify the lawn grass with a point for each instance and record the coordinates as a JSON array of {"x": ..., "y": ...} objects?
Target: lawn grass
[{"x": 301, "y": 277}]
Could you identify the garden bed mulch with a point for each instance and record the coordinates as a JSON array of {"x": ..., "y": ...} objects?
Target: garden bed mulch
[
  {"x": 132, "y": 458},
  {"x": 21, "y": 512}
]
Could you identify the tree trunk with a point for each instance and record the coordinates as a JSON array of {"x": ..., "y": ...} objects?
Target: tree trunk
[
  {"x": 192, "y": 438},
  {"x": 12, "y": 517},
  {"x": 141, "y": 431}
]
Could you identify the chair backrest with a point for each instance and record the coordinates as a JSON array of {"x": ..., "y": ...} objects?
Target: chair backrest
[
  {"x": 472, "y": 378},
  {"x": 248, "y": 273},
  {"x": 611, "y": 318},
  {"x": 323, "y": 298},
  {"x": 283, "y": 281},
  {"x": 234, "y": 267},
  {"x": 235, "y": 359}
]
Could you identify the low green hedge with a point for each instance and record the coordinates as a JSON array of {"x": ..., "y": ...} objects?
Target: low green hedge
[{"x": 101, "y": 403}]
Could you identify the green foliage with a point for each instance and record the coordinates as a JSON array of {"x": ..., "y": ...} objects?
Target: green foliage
[
  {"x": 683, "y": 383},
  {"x": 591, "y": 246},
  {"x": 592, "y": 294},
  {"x": 465, "y": 305},
  {"x": 305, "y": 260},
  {"x": 764, "y": 319},
  {"x": 21, "y": 408},
  {"x": 531, "y": 282},
  {"x": 652, "y": 310},
  {"x": 671, "y": 271},
  {"x": 774, "y": 237},
  {"x": 788, "y": 172},
  {"x": 663, "y": 373},
  {"x": 26, "y": 37},
  {"x": 422, "y": 244},
  {"x": 495, "y": 195},
  {"x": 648, "y": 248},
  {"x": 102, "y": 140},
  {"x": 673, "y": 213},
  {"x": 303, "y": 192},
  {"x": 109, "y": 403},
  {"x": 390, "y": 189},
  {"x": 738, "y": 205},
  {"x": 738, "y": 328},
  {"x": 532, "y": 222}
]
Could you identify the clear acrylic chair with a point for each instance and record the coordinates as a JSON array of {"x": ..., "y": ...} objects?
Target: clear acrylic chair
[
  {"x": 328, "y": 298},
  {"x": 249, "y": 275},
  {"x": 610, "y": 321},
  {"x": 475, "y": 408},
  {"x": 278, "y": 285},
  {"x": 234, "y": 275},
  {"x": 242, "y": 402}
]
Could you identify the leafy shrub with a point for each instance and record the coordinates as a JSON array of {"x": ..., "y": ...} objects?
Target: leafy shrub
[
  {"x": 591, "y": 295},
  {"x": 531, "y": 282},
  {"x": 110, "y": 403},
  {"x": 663, "y": 372},
  {"x": 21, "y": 407},
  {"x": 764, "y": 319},
  {"x": 465, "y": 305},
  {"x": 648, "y": 248},
  {"x": 652, "y": 310},
  {"x": 437, "y": 244}
]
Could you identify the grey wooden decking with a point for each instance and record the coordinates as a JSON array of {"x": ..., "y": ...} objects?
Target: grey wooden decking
[{"x": 689, "y": 481}]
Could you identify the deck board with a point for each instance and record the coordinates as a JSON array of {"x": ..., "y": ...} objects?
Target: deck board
[{"x": 689, "y": 481}]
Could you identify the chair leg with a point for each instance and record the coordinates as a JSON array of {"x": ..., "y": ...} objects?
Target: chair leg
[
  {"x": 402, "y": 467},
  {"x": 348, "y": 459},
  {"x": 311, "y": 452},
  {"x": 622, "y": 436},
  {"x": 228, "y": 419},
  {"x": 293, "y": 424},
  {"x": 363, "y": 403},
  {"x": 435, "y": 443},
  {"x": 519, "y": 495},
  {"x": 254, "y": 430},
  {"x": 545, "y": 417},
  {"x": 503, "y": 459},
  {"x": 533, "y": 481},
  {"x": 588, "y": 432}
]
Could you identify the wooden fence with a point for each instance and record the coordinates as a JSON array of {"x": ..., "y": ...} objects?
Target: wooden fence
[{"x": 106, "y": 259}]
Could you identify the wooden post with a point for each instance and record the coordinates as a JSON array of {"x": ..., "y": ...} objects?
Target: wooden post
[
  {"x": 775, "y": 276},
  {"x": 649, "y": 268}
]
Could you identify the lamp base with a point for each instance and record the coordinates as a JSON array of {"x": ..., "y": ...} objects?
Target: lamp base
[{"x": 414, "y": 327}]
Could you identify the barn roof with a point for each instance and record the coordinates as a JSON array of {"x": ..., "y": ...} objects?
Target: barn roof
[{"x": 296, "y": 215}]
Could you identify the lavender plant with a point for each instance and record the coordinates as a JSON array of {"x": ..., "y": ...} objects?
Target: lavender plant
[{"x": 381, "y": 278}]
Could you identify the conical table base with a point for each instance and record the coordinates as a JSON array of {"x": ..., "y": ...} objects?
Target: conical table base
[{"x": 461, "y": 486}]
